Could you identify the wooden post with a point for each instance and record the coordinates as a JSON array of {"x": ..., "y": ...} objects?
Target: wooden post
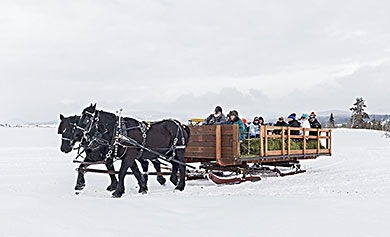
[
  {"x": 318, "y": 140},
  {"x": 261, "y": 141},
  {"x": 236, "y": 141},
  {"x": 266, "y": 141},
  {"x": 288, "y": 141},
  {"x": 283, "y": 143},
  {"x": 327, "y": 140},
  {"x": 330, "y": 142},
  {"x": 249, "y": 144},
  {"x": 304, "y": 141},
  {"x": 218, "y": 142}
]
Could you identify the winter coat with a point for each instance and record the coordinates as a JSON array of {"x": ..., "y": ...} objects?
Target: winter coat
[
  {"x": 254, "y": 130},
  {"x": 212, "y": 120},
  {"x": 314, "y": 124},
  {"x": 280, "y": 124},
  {"x": 241, "y": 128},
  {"x": 305, "y": 124},
  {"x": 294, "y": 124}
]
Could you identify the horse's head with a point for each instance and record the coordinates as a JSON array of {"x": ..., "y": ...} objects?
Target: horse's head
[
  {"x": 67, "y": 129},
  {"x": 85, "y": 122}
]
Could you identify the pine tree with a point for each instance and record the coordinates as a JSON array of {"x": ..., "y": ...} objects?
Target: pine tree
[
  {"x": 358, "y": 114},
  {"x": 331, "y": 121}
]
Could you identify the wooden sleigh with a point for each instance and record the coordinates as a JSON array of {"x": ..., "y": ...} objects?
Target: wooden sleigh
[{"x": 217, "y": 148}]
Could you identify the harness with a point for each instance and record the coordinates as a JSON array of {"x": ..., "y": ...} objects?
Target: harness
[{"x": 122, "y": 139}]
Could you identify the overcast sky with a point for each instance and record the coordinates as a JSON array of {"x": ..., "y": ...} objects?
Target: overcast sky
[{"x": 180, "y": 58}]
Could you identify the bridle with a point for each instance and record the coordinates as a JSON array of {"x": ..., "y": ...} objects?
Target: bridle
[
  {"x": 87, "y": 120},
  {"x": 69, "y": 139}
]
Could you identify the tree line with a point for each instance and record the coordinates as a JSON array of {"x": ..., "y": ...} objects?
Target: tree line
[{"x": 360, "y": 118}]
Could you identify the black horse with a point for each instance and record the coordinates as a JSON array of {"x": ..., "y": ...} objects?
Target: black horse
[
  {"x": 67, "y": 129},
  {"x": 165, "y": 137}
]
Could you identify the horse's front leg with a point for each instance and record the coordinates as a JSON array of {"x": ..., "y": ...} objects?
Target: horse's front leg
[
  {"x": 114, "y": 181},
  {"x": 145, "y": 168},
  {"x": 80, "y": 182},
  {"x": 120, "y": 189}
]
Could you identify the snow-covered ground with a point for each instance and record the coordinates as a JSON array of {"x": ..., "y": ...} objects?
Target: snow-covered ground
[{"x": 344, "y": 195}]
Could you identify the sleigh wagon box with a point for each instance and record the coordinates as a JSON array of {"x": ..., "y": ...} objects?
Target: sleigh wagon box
[{"x": 220, "y": 144}]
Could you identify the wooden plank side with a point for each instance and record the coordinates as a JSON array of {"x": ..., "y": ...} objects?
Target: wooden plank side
[
  {"x": 201, "y": 149},
  {"x": 204, "y": 144},
  {"x": 274, "y": 153},
  {"x": 283, "y": 143},
  {"x": 265, "y": 141},
  {"x": 202, "y": 138},
  {"x": 197, "y": 155},
  {"x": 296, "y": 152},
  {"x": 230, "y": 154}
]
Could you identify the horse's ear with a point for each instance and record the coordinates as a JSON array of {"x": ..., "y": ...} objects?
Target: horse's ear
[
  {"x": 94, "y": 106},
  {"x": 62, "y": 117}
]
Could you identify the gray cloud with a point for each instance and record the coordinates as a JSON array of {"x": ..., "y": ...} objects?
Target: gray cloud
[{"x": 182, "y": 57}]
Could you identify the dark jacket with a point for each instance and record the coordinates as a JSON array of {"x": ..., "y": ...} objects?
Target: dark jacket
[
  {"x": 294, "y": 124},
  {"x": 280, "y": 124},
  {"x": 314, "y": 124},
  {"x": 212, "y": 120}
]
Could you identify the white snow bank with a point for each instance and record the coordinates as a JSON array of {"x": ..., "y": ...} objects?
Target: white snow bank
[{"x": 344, "y": 195}]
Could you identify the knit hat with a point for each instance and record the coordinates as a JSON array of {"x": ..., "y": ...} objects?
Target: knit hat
[
  {"x": 292, "y": 116},
  {"x": 305, "y": 116},
  {"x": 218, "y": 109},
  {"x": 313, "y": 115}
]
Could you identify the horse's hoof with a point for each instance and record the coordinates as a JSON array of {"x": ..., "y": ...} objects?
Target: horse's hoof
[
  {"x": 143, "y": 190},
  {"x": 116, "y": 194},
  {"x": 161, "y": 180},
  {"x": 173, "y": 180},
  {"x": 179, "y": 187},
  {"x": 79, "y": 187},
  {"x": 112, "y": 187}
]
